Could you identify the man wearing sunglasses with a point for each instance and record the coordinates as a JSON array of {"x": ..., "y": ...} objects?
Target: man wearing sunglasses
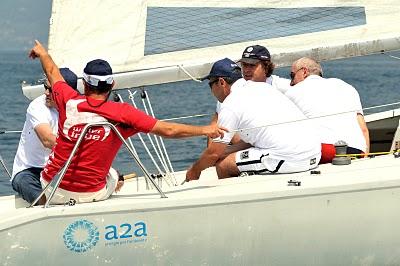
[
  {"x": 37, "y": 139},
  {"x": 262, "y": 117},
  {"x": 336, "y": 103}
]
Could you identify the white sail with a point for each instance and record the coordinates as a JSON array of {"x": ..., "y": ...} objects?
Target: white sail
[{"x": 152, "y": 42}]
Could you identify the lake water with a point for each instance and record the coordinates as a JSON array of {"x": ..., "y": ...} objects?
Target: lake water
[{"x": 376, "y": 78}]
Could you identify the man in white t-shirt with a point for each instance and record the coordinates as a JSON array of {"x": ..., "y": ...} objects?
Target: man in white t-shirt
[
  {"x": 259, "y": 114},
  {"x": 256, "y": 65},
  {"x": 37, "y": 139},
  {"x": 336, "y": 102}
]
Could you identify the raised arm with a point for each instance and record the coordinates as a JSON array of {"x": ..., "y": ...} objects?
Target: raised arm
[{"x": 49, "y": 67}]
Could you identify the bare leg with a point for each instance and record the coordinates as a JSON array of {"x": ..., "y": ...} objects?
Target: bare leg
[
  {"x": 238, "y": 146},
  {"x": 42, "y": 200},
  {"x": 227, "y": 167}
]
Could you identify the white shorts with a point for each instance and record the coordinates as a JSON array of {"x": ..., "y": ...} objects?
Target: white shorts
[
  {"x": 63, "y": 196},
  {"x": 259, "y": 161}
]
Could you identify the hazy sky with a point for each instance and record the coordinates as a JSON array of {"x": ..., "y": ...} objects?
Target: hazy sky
[{"x": 22, "y": 21}]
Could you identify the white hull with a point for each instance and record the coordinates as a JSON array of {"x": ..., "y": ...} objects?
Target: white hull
[{"x": 347, "y": 215}]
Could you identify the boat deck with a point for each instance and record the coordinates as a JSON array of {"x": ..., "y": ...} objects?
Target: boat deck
[{"x": 363, "y": 174}]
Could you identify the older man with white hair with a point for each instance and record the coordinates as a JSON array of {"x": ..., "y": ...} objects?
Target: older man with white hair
[{"x": 333, "y": 105}]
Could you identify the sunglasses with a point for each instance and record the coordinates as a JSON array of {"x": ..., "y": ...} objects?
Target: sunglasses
[
  {"x": 293, "y": 74},
  {"x": 212, "y": 82},
  {"x": 46, "y": 87}
]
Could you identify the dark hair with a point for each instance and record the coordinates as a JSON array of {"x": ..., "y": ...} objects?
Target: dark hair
[
  {"x": 103, "y": 87},
  {"x": 269, "y": 67}
]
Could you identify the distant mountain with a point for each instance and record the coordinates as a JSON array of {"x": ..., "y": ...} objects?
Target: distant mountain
[{"x": 22, "y": 21}]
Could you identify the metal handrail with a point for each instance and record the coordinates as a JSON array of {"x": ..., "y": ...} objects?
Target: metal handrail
[{"x": 57, "y": 181}]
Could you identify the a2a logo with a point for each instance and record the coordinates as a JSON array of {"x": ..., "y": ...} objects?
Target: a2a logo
[{"x": 125, "y": 230}]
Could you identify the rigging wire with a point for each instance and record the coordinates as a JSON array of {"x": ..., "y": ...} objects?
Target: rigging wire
[
  {"x": 244, "y": 129},
  {"x": 129, "y": 139},
  {"x": 389, "y": 55},
  {"x": 157, "y": 149},
  {"x": 187, "y": 73},
  {"x": 131, "y": 97},
  {"x": 380, "y": 106},
  {"x": 313, "y": 118},
  {"x": 4, "y": 166},
  {"x": 207, "y": 114},
  {"x": 132, "y": 146},
  {"x": 165, "y": 159},
  {"x": 204, "y": 114},
  {"x": 392, "y": 56},
  {"x": 10, "y": 131},
  {"x": 185, "y": 117}
]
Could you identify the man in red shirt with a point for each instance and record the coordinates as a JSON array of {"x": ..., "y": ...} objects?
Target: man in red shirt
[{"x": 86, "y": 178}]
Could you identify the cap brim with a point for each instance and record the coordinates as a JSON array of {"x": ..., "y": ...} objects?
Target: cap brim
[
  {"x": 209, "y": 76},
  {"x": 252, "y": 61}
]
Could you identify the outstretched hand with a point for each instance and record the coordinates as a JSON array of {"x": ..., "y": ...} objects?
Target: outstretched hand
[
  {"x": 192, "y": 174},
  {"x": 215, "y": 131},
  {"x": 37, "y": 50}
]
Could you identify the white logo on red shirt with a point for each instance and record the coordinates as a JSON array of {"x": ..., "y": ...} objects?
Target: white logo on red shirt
[{"x": 75, "y": 121}]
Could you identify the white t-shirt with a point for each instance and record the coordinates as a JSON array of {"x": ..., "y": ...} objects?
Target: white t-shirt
[
  {"x": 31, "y": 152},
  {"x": 281, "y": 84},
  {"x": 335, "y": 99},
  {"x": 258, "y": 104},
  {"x": 235, "y": 86}
]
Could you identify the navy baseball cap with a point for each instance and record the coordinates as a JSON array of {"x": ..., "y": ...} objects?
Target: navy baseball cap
[
  {"x": 70, "y": 78},
  {"x": 98, "y": 70},
  {"x": 255, "y": 53},
  {"x": 224, "y": 68}
]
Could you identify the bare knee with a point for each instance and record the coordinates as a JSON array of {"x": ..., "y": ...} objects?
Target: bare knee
[
  {"x": 221, "y": 171},
  {"x": 227, "y": 167}
]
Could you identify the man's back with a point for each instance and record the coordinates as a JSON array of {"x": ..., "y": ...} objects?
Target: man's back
[
  {"x": 338, "y": 103},
  {"x": 257, "y": 105},
  {"x": 93, "y": 160}
]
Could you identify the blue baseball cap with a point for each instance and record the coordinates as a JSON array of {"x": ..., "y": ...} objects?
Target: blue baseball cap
[
  {"x": 255, "y": 53},
  {"x": 70, "y": 78},
  {"x": 98, "y": 70},
  {"x": 224, "y": 68}
]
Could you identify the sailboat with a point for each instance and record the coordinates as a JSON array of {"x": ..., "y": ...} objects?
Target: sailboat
[{"x": 336, "y": 215}]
